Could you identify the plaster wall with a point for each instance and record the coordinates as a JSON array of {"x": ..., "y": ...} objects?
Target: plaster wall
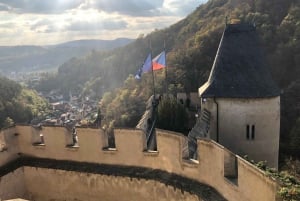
[
  {"x": 254, "y": 184},
  {"x": 211, "y": 168},
  {"x": 68, "y": 185},
  {"x": 56, "y": 140},
  {"x": 248, "y": 183},
  {"x": 9, "y": 148},
  {"x": 236, "y": 114},
  {"x": 12, "y": 185},
  {"x": 129, "y": 152}
]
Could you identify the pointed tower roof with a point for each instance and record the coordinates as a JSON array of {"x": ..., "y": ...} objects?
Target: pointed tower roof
[{"x": 239, "y": 69}]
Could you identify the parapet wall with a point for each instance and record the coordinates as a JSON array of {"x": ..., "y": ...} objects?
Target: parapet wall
[
  {"x": 230, "y": 175},
  {"x": 67, "y": 185},
  {"x": 9, "y": 146},
  {"x": 12, "y": 185}
]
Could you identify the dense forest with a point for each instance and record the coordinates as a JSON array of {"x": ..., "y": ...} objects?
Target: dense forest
[
  {"x": 191, "y": 45},
  {"x": 18, "y": 104}
]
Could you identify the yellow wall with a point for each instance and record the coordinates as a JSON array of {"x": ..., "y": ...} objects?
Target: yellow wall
[
  {"x": 68, "y": 185},
  {"x": 129, "y": 152},
  {"x": 12, "y": 185},
  {"x": 9, "y": 144}
]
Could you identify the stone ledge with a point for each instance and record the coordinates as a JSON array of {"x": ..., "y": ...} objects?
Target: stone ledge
[
  {"x": 150, "y": 153},
  {"x": 190, "y": 163}
]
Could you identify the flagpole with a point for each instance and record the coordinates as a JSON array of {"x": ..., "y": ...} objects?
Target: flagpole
[
  {"x": 166, "y": 70},
  {"x": 153, "y": 80}
]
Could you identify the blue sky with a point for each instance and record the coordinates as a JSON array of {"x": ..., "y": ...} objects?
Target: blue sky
[{"x": 43, "y": 22}]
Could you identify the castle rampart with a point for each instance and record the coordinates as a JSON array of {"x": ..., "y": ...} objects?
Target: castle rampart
[{"x": 233, "y": 177}]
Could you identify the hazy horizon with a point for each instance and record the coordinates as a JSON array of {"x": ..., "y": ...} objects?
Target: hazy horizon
[
  {"x": 60, "y": 21},
  {"x": 67, "y": 41}
]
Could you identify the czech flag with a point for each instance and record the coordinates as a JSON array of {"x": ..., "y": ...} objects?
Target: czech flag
[
  {"x": 159, "y": 61},
  {"x": 146, "y": 67},
  {"x": 147, "y": 64}
]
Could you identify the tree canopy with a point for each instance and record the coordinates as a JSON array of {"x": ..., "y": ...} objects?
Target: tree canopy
[{"x": 18, "y": 104}]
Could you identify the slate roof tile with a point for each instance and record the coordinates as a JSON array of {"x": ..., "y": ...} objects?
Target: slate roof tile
[{"x": 239, "y": 69}]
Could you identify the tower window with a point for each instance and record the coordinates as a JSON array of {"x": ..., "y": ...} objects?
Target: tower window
[
  {"x": 253, "y": 132},
  {"x": 248, "y": 132},
  {"x": 250, "y": 135}
]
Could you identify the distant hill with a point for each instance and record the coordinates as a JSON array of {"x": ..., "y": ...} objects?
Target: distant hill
[
  {"x": 37, "y": 58},
  {"x": 96, "y": 44}
]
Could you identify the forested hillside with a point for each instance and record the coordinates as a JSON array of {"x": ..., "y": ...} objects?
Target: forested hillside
[
  {"x": 191, "y": 45},
  {"x": 17, "y": 104},
  {"x": 47, "y": 58}
]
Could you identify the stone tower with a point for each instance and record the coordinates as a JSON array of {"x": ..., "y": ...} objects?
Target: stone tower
[{"x": 242, "y": 98}]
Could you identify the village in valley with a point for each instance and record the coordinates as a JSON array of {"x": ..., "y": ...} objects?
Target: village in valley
[{"x": 75, "y": 111}]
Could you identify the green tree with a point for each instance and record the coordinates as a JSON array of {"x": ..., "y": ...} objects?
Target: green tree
[
  {"x": 295, "y": 138},
  {"x": 18, "y": 104},
  {"x": 125, "y": 105},
  {"x": 171, "y": 115}
]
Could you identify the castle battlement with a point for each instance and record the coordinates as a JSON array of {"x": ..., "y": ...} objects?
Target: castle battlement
[{"x": 230, "y": 175}]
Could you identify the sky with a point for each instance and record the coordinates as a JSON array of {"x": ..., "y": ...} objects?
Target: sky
[{"x": 45, "y": 22}]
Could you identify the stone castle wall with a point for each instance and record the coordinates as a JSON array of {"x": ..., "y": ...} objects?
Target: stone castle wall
[
  {"x": 94, "y": 187},
  {"x": 12, "y": 185},
  {"x": 228, "y": 174}
]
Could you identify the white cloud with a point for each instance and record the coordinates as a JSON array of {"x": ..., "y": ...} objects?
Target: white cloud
[
  {"x": 97, "y": 25},
  {"x": 4, "y": 7},
  {"x": 40, "y": 6},
  {"x": 128, "y": 7},
  {"x": 52, "y": 21}
]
